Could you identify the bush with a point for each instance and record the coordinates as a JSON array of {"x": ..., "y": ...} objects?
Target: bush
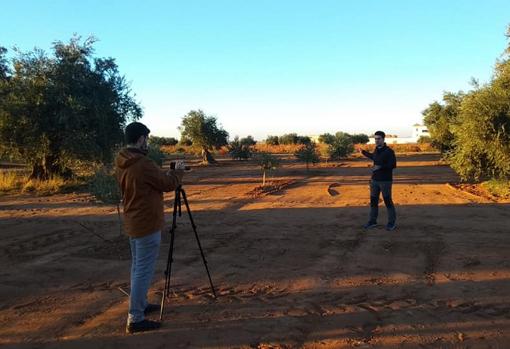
[
  {"x": 424, "y": 140},
  {"x": 156, "y": 154},
  {"x": 161, "y": 141},
  {"x": 272, "y": 140},
  {"x": 248, "y": 141},
  {"x": 482, "y": 138},
  {"x": 341, "y": 147},
  {"x": 326, "y": 138},
  {"x": 499, "y": 188},
  {"x": 104, "y": 187},
  {"x": 308, "y": 154},
  {"x": 185, "y": 142},
  {"x": 239, "y": 151},
  {"x": 360, "y": 138}
]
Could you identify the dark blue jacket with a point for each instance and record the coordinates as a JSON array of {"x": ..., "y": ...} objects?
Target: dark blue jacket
[{"x": 384, "y": 157}]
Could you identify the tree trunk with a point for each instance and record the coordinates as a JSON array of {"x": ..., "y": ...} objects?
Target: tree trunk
[
  {"x": 207, "y": 157},
  {"x": 49, "y": 167},
  {"x": 39, "y": 172}
]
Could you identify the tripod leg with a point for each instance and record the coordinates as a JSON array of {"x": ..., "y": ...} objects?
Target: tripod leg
[
  {"x": 198, "y": 240},
  {"x": 168, "y": 271}
]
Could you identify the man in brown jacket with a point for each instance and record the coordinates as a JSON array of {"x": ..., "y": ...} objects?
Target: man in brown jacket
[{"x": 142, "y": 184}]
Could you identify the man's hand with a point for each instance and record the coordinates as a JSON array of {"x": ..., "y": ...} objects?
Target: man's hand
[{"x": 376, "y": 168}]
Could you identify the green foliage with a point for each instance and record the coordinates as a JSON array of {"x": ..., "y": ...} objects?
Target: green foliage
[
  {"x": 61, "y": 107},
  {"x": 248, "y": 141},
  {"x": 499, "y": 188},
  {"x": 104, "y": 187},
  {"x": 308, "y": 154},
  {"x": 203, "y": 131},
  {"x": 267, "y": 163},
  {"x": 424, "y": 140},
  {"x": 293, "y": 138},
  {"x": 341, "y": 147},
  {"x": 482, "y": 138},
  {"x": 185, "y": 142},
  {"x": 290, "y": 138},
  {"x": 440, "y": 119},
  {"x": 161, "y": 141},
  {"x": 272, "y": 140},
  {"x": 475, "y": 127},
  {"x": 326, "y": 138},
  {"x": 239, "y": 151},
  {"x": 360, "y": 138},
  {"x": 156, "y": 155}
]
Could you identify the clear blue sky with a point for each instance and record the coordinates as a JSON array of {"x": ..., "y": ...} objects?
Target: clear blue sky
[{"x": 274, "y": 66}]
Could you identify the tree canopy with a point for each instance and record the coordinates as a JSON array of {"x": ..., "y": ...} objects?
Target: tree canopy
[
  {"x": 61, "y": 107},
  {"x": 204, "y": 132}
]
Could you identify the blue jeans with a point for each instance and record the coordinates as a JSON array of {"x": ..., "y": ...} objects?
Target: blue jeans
[
  {"x": 144, "y": 253},
  {"x": 376, "y": 188}
]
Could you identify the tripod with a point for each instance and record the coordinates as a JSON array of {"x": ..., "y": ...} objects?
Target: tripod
[{"x": 180, "y": 194}]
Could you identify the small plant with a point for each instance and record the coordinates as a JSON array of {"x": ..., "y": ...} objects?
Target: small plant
[
  {"x": 308, "y": 154},
  {"x": 104, "y": 187},
  {"x": 267, "y": 163}
]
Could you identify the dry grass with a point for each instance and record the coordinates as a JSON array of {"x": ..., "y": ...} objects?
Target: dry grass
[
  {"x": 16, "y": 181},
  {"x": 10, "y": 180},
  {"x": 403, "y": 148}
]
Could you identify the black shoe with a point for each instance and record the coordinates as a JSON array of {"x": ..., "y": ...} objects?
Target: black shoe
[
  {"x": 152, "y": 308},
  {"x": 391, "y": 226},
  {"x": 370, "y": 225},
  {"x": 142, "y": 326}
]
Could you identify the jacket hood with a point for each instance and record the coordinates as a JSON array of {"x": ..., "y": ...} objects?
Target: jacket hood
[{"x": 128, "y": 156}]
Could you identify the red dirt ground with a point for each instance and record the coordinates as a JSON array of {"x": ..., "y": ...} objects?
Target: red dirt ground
[{"x": 293, "y": 269}]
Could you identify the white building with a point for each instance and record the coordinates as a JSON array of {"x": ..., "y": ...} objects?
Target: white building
[{"x": 417, "y": 132}]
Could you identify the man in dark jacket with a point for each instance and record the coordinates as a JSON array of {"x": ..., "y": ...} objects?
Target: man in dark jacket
[
  {"x": 382, "y": 179},
  {"x": 142, "y": 183}
]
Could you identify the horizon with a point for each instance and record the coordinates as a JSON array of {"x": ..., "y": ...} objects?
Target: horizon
[{"x": 273, "y": 68}]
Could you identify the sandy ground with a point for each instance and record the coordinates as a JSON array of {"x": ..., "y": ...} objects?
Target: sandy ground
[{"x": 292, "y": 269}]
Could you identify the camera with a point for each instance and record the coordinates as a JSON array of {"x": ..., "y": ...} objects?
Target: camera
[{"x": 173, "y": 163}]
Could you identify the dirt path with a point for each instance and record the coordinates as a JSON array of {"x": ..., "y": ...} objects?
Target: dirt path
[{"x": 293, "y": 269}]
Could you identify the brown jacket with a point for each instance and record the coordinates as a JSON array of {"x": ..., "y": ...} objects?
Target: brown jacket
[{"x": 142, "y": 184}]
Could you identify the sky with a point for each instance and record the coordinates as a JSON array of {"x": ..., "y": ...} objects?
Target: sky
[{"x": 269, "y": 67}]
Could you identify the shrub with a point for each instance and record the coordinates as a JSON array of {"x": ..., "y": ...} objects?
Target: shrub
[
  {"x": 239, "y": 151},
  {"x": 341, "y": 147},
  {"x": 308, "y": 154},
  {"x": 104, "y": 187},
  {"x": 267, "y": 163},
  {"x": 272, "y": 140}
]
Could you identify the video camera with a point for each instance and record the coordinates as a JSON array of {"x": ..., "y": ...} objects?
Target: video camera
[{"x": 173, "y": 163}]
